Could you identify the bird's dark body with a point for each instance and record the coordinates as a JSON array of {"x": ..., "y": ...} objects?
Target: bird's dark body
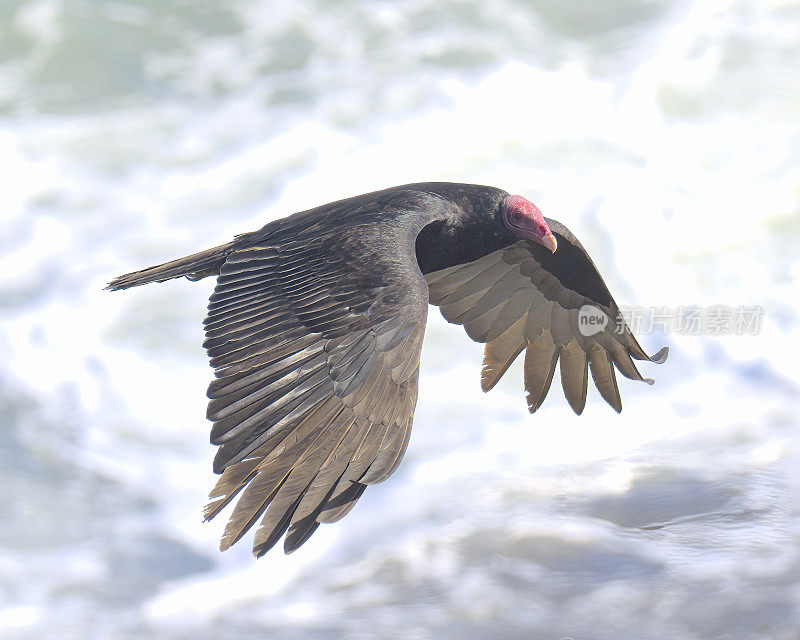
[
  {"x": 316, "y": 324},
  {"x": 414, "y": 209}
]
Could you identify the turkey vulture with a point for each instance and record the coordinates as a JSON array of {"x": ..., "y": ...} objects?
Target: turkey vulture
[{"x": 315, "y": 327}]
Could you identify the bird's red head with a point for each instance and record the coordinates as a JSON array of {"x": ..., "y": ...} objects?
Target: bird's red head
[{"x": 524, "y": 219}]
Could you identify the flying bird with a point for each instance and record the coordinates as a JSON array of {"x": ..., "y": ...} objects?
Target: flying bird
[{"x": 315, "y": 327}]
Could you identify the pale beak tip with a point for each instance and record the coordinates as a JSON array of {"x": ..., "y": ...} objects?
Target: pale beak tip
[{"x": 549, "y": 241}]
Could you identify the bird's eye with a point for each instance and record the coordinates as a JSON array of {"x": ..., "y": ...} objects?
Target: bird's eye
[{"x": 516, "y": 217}]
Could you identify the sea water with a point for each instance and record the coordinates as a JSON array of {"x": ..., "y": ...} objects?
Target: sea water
[{"x": 663, "y": 133}]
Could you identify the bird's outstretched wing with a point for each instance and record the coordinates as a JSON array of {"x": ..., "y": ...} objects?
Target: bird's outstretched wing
[
  {"x": 524, "y": 297},
  {"x": 316, "y": 349}
]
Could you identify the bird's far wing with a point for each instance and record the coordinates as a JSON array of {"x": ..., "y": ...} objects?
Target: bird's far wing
[
  {"x": 316, "y": 356},
  {"x": 524, "y": 297}
]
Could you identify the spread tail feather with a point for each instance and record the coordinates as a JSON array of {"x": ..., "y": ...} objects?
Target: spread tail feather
[{"x": 196, "y": 266}]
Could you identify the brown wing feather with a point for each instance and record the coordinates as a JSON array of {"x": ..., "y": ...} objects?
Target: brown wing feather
[
  {"x": 316, "y": 382},
  {"x": 519, "y": 298}
]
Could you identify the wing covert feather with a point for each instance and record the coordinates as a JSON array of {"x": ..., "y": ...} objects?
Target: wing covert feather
[
  {"x": 523, "y": 297},
  {"x": 316, "y": 380}
]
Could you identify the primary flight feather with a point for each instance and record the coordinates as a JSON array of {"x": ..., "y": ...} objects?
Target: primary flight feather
[{"x": 315, "y": 328}]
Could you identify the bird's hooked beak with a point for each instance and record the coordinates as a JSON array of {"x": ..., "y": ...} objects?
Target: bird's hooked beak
[{"x": 549, "y": 241}]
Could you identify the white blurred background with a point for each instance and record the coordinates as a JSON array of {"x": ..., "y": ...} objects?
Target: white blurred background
[{"x": 664, "y": 133}]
